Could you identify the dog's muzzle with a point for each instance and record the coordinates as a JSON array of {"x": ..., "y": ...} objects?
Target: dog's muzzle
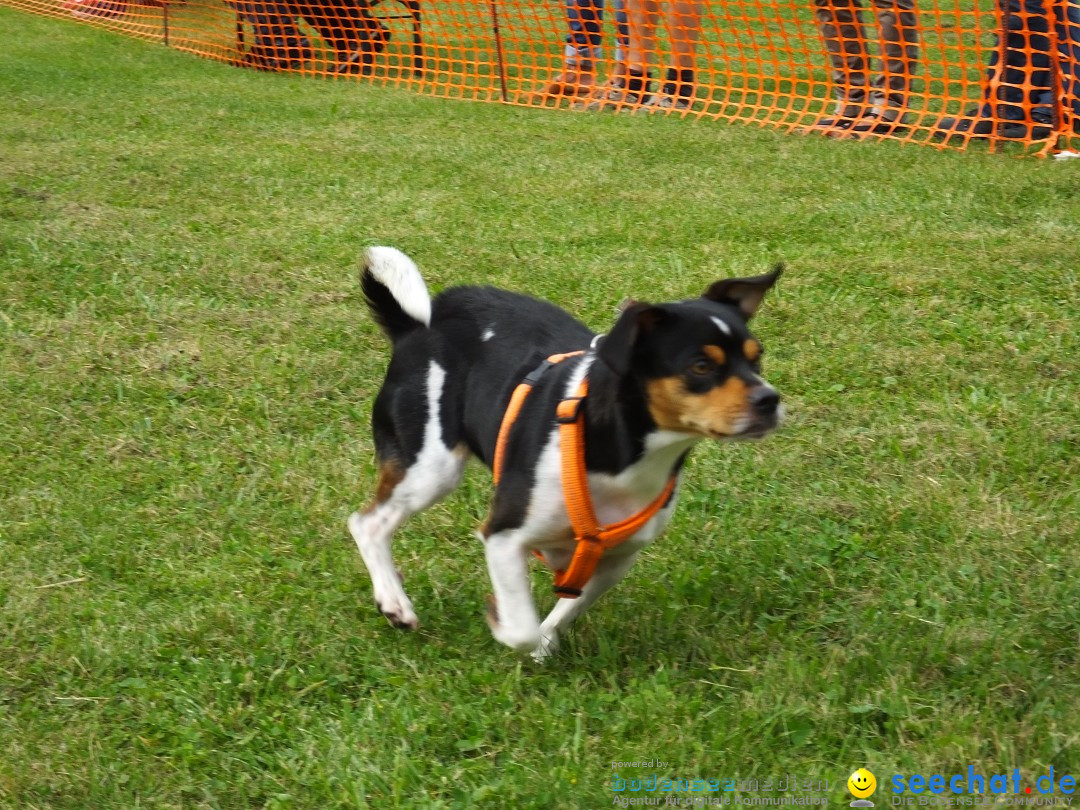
[{"x": 765, "y": 411}]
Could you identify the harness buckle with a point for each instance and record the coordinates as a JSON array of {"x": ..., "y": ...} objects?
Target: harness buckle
[
  {"x": 569, "y": 410},
  {"x": 533, "y": 377}
]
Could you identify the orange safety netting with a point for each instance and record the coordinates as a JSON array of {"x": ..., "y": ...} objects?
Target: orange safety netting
[{"x": 950, "y": 73}]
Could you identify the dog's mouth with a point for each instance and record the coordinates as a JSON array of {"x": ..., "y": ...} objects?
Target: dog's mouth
[
  {"x": 751, "y": 428},
  {"x": 749, "y": 434},
  {"x": 757, "y": 431}
]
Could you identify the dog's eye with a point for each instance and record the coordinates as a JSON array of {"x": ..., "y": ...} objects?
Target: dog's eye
[{"x": 701, "y": 367}]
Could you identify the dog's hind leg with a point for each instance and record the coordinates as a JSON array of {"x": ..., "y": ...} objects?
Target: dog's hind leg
[
  {"x": 402, "y": 492},
  {"x": 399, "y": 496},
  {"x": 373, "y": 530}
]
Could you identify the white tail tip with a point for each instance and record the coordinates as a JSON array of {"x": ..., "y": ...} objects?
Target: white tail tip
[{"x": 402, "y": 277}]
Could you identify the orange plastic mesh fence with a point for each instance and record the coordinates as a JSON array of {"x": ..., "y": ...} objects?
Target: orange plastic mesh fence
[{"x": 946, "y": 73}]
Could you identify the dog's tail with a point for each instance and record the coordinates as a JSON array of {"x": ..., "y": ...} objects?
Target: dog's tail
[{"x": 395, "y": 291}]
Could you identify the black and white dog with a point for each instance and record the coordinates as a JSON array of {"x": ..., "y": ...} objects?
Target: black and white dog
[{"x": 664, "y": 377}]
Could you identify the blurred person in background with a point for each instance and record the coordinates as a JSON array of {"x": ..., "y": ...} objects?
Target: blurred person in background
[
  {"x": 683, "y": 21},
  {"x": 1020, "y": 97},
  {"x": 580, "y": 52},
  {"x": 865, "y": 107}
]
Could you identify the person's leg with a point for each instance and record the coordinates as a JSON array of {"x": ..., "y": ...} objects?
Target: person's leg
[
  {"x": 978, "y": 121},
  {"x": 1023, "y": 89},
  {"x": 612, "y": 90},
  {"x": 1068, "y": 37},
  {"x": 643, "y": 16},
  {"x": 1027, "y": 60},
  {"x": 899, "y": 28},
  {"x": 622, "y": 34},
  {"x": 684, "y": 27},
  {"x": 1042, "y": 105},
  {"x": 845, "y": 45},
  {"x": 1019, "y": 95},
  {"x": 581, "y": 50},
  {"x": 684, "y": 32},
  {"x": 583, "y": 43}
]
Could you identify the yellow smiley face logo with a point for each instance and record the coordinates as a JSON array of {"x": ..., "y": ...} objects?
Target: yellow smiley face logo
[{"x": 862, "y": 784}]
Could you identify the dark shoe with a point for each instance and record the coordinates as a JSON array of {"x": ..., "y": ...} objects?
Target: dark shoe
[
  {"x": 615, "y": 98},
  {"x": 635, "y": 95},
  {"x": 677, "y": 92},
  {"x": 836, "y": 123},
  {"x": 1018, "y": 131},
  {"x": 666, "y": 101},
  {"x": 606, "y": 94},
  {"x": 970, "y": 124},
  {"x": 842, "y": 118},
  {"x": 888, "y": 122}
]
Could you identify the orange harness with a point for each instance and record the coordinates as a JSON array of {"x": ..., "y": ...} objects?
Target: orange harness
[{"x": 591, "y": 539}]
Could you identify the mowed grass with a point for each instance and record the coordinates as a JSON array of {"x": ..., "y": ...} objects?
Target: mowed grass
[{"x": 186, "y": 376}]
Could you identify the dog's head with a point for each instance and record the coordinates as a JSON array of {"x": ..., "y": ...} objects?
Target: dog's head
[{"x": 696, "y": 362}]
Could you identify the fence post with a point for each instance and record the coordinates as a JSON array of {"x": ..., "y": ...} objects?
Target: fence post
[
  {"x": 1058, "y": 21},
  {"x": 499, "y": 49}
]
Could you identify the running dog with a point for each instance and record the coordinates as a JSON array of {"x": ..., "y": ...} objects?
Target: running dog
[{"x": 586, "y": 434}]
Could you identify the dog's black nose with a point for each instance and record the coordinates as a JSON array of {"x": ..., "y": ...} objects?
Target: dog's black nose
[{"x": 764, "y": 400}]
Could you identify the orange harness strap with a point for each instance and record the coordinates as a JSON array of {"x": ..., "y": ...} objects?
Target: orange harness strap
[
  {"x": 513, "y": 409},
  {"x": 591, "y": 538}
]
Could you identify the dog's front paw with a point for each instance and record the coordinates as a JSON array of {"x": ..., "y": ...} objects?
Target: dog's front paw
[
  {"x": 520, "y": 639},
  {"x": 398, "y": 610},
  {"x": 548, "y": 644}
]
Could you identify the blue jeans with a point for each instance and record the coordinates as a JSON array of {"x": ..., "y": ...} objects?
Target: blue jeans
[
  {"x": 584, "y": 18},
  {"x": 1033, "y": 31},
  {"x": 1068, "y": 34}
]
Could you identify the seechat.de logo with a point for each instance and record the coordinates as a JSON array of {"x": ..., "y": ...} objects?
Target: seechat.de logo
[{"x": 976, "y": 783}]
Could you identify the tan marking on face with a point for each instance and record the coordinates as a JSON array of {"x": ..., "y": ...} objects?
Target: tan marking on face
[
  {"x": 666, "y": 396},
  {"x": 752, "y": 349},
  {"x": 714, "y": 413},
  {"x": 715, "y": 353},
  {"x": 390, "y": 475}
]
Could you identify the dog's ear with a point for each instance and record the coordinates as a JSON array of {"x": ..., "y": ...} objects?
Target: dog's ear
[
  {"x": 746, "y": 294},
  {"x": 616, "y": 348}
]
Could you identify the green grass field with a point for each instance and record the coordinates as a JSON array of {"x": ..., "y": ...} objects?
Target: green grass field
[{"x": 187, "y": 370}]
